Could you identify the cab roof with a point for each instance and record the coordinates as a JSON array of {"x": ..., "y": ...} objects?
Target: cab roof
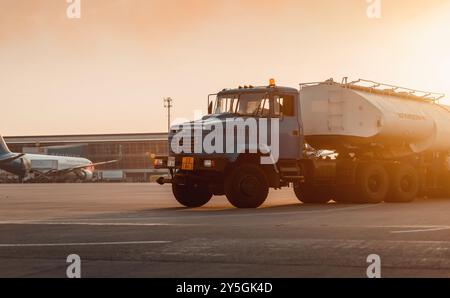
[{"x": 259, "y": 89}]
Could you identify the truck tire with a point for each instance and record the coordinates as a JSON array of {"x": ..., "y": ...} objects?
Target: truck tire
[
  {"x": 404, "y": 184},
  {"x": 372, "y": 184},
  {"x": 191, "y": 195},
  {"x": 246, "y": 186},
  {"x": 310, "y": 194}
]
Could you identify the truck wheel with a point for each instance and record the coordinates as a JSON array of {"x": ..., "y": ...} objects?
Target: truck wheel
[
  {"x": 191, "y": 195},
  {"x": 372, "y": 184},
  {"x": 246, "y": 186},
  {"x": 404, "y": 184},
  {"x": 310, "y": 194}
]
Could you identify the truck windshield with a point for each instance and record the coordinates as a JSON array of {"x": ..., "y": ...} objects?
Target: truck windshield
[
  {"x": 256, "y": 104},
  {"x": 226, "y": 104}
]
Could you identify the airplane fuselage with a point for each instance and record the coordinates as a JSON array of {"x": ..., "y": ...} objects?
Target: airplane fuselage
[
  {"x": 46, "y": 167},
  {"x": 25, "y": 165},
  {"x": 63, "y": 162}
]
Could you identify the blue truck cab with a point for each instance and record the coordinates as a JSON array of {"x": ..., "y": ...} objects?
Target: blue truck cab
[{"x": 236, "y": 167}]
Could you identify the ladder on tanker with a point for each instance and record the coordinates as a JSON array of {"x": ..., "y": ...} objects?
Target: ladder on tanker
[{"x": 382, "y": 89}]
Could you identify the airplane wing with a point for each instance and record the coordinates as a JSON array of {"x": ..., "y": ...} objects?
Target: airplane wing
[
  {"x": 9, "y": 158},
  {"x": 103, "y": 163},
  {"x": 68, "y": 170}
]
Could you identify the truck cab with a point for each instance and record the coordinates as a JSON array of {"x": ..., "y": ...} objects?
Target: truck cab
[
  {"x": 250, "y": 140},
  {"x": 271, "y": 102}
]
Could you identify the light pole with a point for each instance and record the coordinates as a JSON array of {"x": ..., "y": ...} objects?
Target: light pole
[{"x": 168, "y": 105}]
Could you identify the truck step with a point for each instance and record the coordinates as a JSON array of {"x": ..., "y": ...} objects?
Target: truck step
[
  {"x": 300, "y": 178},
  {"x": 289, "y": 169}
]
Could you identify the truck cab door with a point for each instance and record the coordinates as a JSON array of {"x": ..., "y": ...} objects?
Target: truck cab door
[{"x": 286, "y": 110}]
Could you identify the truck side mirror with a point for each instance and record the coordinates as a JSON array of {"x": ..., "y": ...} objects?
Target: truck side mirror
[{"x": 210, "y": 106}]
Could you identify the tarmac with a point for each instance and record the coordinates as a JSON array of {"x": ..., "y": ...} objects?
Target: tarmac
[{"x": 139, "y": 230}]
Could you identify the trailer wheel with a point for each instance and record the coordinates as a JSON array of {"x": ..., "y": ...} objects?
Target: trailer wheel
[
  {"x": 372, "y": 184},
  {"x": 310, "y": 194},
  {"x": 191, "y": 195},
  {"x": 246, "y": 186},
  {"x": 404, "y": 184}
]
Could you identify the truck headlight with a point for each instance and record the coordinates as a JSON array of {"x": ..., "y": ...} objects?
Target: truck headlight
[
  {"x": 208, "y": 163},
  {"x": 158, "y": 162}
]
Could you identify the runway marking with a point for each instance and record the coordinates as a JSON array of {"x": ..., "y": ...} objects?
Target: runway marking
[
  {"x": 82, "y": 243},
  {"x": 31, "y": 222},
  {"x": 424, "y": 229},
  {"x": 412, "y": 228}
]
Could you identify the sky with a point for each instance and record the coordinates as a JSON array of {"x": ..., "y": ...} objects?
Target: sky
[{"x": 108, "y": 71}]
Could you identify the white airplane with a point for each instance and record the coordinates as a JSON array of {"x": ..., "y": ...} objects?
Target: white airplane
[{"x": 46, "y": 167}]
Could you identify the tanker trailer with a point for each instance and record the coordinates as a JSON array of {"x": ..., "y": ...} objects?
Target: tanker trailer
[{"x": 390, "y": 143}]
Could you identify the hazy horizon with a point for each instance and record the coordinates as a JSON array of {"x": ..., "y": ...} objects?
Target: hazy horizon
[{"x": 108, "y": 71}]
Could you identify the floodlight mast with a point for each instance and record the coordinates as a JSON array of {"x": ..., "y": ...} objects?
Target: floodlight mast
[{"x": 168, "y": 105}]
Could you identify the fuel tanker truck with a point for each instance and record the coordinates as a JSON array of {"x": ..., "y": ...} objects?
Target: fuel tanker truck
[{"x": 351, "y": 142}]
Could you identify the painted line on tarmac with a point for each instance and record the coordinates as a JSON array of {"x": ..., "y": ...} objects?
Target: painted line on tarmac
[
  {"x": 82, "y": 243},
  {"x": 55, "y": 223},
  {"x": 400, "y": 228},
  {"x": 425, "y": 229}
]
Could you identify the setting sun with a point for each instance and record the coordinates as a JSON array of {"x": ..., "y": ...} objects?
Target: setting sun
[{"x": 120, "y": 60}]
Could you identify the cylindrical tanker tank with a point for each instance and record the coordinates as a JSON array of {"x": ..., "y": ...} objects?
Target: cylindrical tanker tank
[{"x": 347, "y": 117}]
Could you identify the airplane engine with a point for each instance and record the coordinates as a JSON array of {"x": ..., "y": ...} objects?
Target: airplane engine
[{"x": 86, "y": 175}]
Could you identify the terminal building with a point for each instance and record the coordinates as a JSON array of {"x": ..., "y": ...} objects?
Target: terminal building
[{"x": 131, "y": 150}]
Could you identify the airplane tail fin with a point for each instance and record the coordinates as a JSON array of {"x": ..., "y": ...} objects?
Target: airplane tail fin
[{"x": 3, "y": 147}]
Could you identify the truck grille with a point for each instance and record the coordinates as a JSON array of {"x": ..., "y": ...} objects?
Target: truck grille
[{"x": 185, "y": 145}]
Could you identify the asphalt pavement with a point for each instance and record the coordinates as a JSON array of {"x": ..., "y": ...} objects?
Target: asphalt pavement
[{"x": 139, "y": 230}]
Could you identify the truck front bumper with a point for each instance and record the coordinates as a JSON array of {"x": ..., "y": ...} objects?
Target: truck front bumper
[{"x": 190, "y": 163}]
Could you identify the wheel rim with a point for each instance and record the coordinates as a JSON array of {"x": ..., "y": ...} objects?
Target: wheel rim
[
  {"x": 249, "y": 185},
  {"x": 374, "y": 183},
  {"x": 406, "y": 183}
]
